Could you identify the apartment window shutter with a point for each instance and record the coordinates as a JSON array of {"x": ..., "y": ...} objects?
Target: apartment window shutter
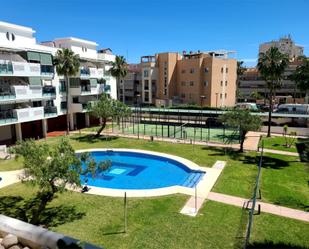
[
  {"x": 35, "y": 81},
  {"x": 93, "y": 82},
  {"x": 33, "y": 56},
  {"x": 46, "y": 59}
]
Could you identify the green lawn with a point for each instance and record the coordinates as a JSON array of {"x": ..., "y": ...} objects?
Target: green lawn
[
  {"x": 284, "y": 179},
  {"x": 278, "y": 143},
  {"x": 11, "y": 164},
  {"x": 153, "y": 222}
]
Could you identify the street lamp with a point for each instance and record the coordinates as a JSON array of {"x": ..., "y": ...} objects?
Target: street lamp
[{"x": 217, "y": 100}]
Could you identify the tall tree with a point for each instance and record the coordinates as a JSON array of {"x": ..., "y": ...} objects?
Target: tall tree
[
  {"x": 240, "y": 71},
  {"x": 119, "y": 70},
  {"x": 67, "y": 64},
  {"x": 301, "y": 77},
  {"x": 51, "y": 168},
  {"x": 106, "y": 108},
  {"x": 271, "y": 66},
  {"x": 243, "y": 120}
]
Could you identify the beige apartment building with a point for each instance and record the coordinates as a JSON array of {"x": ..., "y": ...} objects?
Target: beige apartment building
[{"x": 201, "y": 78}]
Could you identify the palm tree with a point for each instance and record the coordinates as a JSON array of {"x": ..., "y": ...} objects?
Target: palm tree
[
  {"x": 67, "y": 64},
  {"x": 119, "y": 70},
  {"x": 272, "y": 65},
  {"x": 240, "y": 71},
  {"x": 301, "y": 77}
]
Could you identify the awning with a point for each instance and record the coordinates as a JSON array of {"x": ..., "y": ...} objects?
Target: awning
[
  {"x": 46, "y": 59},
  {"x": 33, "y": 56},
  {"x": 93, "y": 82},
  {"x": 35, "y": 81}
]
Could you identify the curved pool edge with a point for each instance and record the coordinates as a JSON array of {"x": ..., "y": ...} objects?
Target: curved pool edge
[{"x": 148, "y": 192}]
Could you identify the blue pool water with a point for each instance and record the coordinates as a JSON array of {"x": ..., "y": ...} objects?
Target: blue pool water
[{"x": 132, "y": 170}]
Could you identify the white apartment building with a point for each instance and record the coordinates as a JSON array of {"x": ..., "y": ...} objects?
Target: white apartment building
[{"x": 32, "y": 95}]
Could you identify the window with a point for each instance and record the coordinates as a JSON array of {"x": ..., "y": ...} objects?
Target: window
[
  {"x": 192, "y": 70},
  {"x": 183, "y": 71},
  {"x": 146, "y": 73},
  {"x": 220, "y": 95},
  {"x": 225, "y": 95},
  {"x": 206, "y": 83},
  {"x": 183, "y": 83},
  {"x": 84, "y": 49},
  {"x": 146, "y": 87},
  {"x": 10, "y": 36},
  {"x": 183, "y": 95},
  {"x": 206, "y": 69},
  {"x": 221, "y": 69},
  {"x": 226, "y": 70},
  {"x": 191, "y": 83},
  {"x": 221, "y": 83},
  {"x": 165, "y": 91},
  {"x": 226, "y": 83}
]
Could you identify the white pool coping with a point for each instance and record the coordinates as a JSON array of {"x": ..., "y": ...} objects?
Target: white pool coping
[{"x": 202, "y": 188}]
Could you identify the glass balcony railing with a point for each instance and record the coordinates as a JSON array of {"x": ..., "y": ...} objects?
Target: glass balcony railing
[
  {"x": 50, "y": 110},
  {"x": 7, "y": 117},
  {"x": 107, "y": 88},
  {"x": 84, "y": 72},
  {"x": 49, "y": 91},
  {"x": 86, "y": 88},
  {"x": 7, "y": 95},
  {"x": 6, "y": 68},
  {"x": 47, "y": 70}
]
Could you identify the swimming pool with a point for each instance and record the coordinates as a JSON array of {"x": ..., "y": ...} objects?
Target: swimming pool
[{"x": 141, "y": 171}]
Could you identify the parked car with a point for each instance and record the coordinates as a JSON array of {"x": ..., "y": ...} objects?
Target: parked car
[
  {"x": 293, "y": 108},
  {"x": 248, "y": 106}
]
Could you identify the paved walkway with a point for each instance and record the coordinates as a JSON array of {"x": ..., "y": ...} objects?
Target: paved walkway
[
  {"x": 198, "y": 197},
  {"x": 252, "y": 141},
  {"x": 281, "y": 152},
  {"x": 10, "y": 177},
  {"x": 265, "y": 207}
]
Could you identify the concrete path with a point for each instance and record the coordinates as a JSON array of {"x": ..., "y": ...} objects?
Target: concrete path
[
  {"x": 201, "y": 192},
  {"x": 252, "y": 141},
  {"x": 265, "y": 207},
  {"x": 281, "y": 152},
  {"x": 10, "y": 177}
]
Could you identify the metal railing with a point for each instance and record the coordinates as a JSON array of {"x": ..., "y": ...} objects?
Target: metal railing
[{"x": 256, "y": 192}]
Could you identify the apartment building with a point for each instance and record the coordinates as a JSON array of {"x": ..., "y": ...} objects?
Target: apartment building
[
  {"x": 130, "y": 86},
  {"x": 285, "y": 45},
  {"x": 202, "y": 78},
  {"x": 251, "y": 81},
  {"x": 32, "y": 95}
]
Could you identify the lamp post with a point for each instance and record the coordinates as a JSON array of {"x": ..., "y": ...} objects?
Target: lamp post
[
  {"x": 202, "y": 97},
  {"x": 216, "y": 101},
  {"x": 138, "y": 119}
]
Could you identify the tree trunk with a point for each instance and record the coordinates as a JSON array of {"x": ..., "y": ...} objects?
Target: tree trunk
[
  {"x": 270, "y": 112},
  {"x": 101, "y": 128},
  {"x": 66, "y": 78},
  {"x": 242, "y": 140},
  {"x": 45, "y": 198},
  {"x": 123, "y": 95}
]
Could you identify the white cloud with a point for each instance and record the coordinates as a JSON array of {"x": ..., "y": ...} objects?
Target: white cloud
[{"x": 246, "y": 60}]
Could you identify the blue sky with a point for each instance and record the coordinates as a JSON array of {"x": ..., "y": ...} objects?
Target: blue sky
[{"x": 135, "y": 28}]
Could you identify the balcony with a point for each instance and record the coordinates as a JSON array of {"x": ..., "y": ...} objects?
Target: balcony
[
  {"x": 6, "y": 68},
  {"x": 26, "y": 92},
  {"x": 7, "y": 117},
  {"x": 84, "y": 73},
  {"x": 96, "y": 73},
  {"x": 78, "y": 107},
  {"x": 49, "y": 91},
  {"x": 50, "y": 111},
  {"x": 26, "y": 69},
  {"x": 47, "y": 71},
  {"x": 29, "y": 114},
  {"x": 7, "y": 96}
]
